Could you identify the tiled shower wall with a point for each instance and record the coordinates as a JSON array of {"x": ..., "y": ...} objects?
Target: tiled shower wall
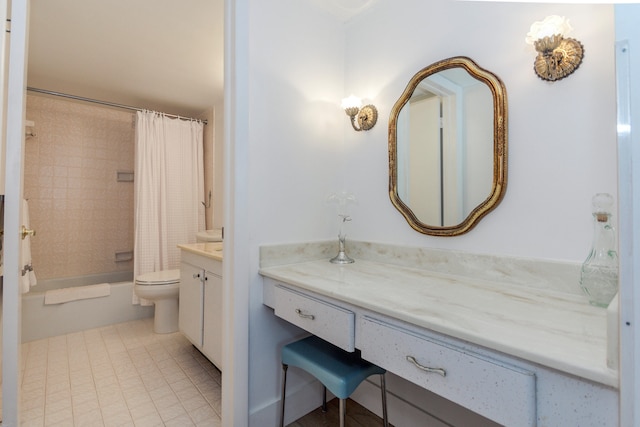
[{"x": 81, "y": 214}]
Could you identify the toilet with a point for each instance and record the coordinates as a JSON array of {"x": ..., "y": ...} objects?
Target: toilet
[{"x": 163, "y": 288}]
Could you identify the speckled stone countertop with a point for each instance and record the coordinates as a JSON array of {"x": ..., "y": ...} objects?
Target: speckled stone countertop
[
  {"x": 211, "y": 250},
  {"x": 498, "y": 307}
]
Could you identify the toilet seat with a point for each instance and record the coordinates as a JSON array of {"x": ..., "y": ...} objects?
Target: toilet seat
[{"x": 159, "y": 278}]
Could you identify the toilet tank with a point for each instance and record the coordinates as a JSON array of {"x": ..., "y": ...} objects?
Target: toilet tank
[{"x": 214, "y": 235}]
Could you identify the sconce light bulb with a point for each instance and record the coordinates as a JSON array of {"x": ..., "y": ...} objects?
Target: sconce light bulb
[
  {"x": 351, "y": 102},
  {"x": 551, "y": 26}
]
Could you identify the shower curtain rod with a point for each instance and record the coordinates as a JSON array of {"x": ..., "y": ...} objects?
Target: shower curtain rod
[{"x": 109, "y": 104}]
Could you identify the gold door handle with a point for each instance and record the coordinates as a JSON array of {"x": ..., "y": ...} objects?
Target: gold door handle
[{"x": 27, "y": 232}]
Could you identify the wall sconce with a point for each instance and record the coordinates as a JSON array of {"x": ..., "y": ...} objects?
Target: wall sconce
[
  {"x": 367, "y": 115},
  {"x": 558, "y": 56}
]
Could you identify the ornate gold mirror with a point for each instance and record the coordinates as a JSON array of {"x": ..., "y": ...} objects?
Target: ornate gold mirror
[{"x": 448, "y": 147}]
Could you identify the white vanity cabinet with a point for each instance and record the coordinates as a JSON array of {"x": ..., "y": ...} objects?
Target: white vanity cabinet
[
  {"x": 507, "y": 388},
  {"x": 200, "y": 304}
]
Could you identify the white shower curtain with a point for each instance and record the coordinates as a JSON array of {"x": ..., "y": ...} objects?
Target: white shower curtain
[{"x": 169, "y": 188}]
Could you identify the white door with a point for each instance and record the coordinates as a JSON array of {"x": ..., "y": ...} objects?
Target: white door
[{"x": 14, "y": 160}]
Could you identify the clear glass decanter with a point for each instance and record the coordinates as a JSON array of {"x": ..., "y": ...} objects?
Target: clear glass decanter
[{"x": 599, "y": 273}]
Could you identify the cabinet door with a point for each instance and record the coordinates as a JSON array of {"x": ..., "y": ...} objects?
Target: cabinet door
[
  {"x": 190, "y": 303},
  {"x": 212, "y": 346}
]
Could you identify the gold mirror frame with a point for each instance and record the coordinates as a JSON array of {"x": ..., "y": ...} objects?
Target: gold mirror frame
[{"x": 499, "y": 185}]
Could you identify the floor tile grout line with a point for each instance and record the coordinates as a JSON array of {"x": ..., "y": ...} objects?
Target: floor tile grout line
[
  {"x": 93, "y": 373},
  {"x": 127, "y": 350},
  {"x": 104, "y": 348}
]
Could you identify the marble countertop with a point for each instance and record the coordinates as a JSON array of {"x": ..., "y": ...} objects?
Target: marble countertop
[
  {"x": 551, "y": 328},
  {"x": 211, "y": 250}
]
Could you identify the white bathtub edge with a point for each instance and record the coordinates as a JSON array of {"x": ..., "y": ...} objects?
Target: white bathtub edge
[{"x": 44, "y": 321}]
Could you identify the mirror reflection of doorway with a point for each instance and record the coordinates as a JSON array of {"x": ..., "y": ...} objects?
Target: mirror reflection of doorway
[
  {"x": 425, "y": 159},
  {"x": 445, "y": 147}
]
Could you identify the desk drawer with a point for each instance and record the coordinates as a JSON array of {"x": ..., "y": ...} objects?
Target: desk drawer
[
  {"x": 327, "y": 321},
  {"x": 503, "y": 393}
]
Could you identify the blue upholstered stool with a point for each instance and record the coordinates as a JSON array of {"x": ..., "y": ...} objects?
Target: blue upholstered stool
[{"x": 339, "y": 371}]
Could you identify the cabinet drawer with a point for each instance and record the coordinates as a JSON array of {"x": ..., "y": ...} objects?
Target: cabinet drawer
[
  {"x": 327, "y": 321},
  {"x": 500, "y": 392}
]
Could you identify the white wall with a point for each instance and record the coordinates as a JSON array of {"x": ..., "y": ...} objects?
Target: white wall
[
  {"x": 300, "y": 146},
  {"x": 296, "y": 68},
  {"x": 561, "y": 135}
]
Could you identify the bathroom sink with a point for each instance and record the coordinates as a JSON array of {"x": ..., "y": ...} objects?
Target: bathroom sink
[
  {"x": 213, "y": 247},
  {"x": 214, "y": 235}
]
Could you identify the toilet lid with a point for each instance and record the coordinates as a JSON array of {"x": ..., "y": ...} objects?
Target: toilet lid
[{"x": 164, "y": 277}]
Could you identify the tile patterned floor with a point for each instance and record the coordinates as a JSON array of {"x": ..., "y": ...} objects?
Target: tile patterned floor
[
  {"x": 125, "y": 375},
  {"x": 120, "y": 375}
]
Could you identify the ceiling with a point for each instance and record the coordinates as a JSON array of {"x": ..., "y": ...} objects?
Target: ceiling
[{"x": 164, "y": 55}]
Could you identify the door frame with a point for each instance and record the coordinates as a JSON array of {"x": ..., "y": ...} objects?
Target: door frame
[
  {"x": 628, "y": 91},
  {"x": 14, "y": 164}
]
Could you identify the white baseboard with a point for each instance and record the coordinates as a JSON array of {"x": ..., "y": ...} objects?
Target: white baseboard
[{"x": 301, "y": 400}]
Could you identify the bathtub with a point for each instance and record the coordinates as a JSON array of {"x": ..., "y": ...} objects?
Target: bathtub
[{"x": 43, "y": 321}]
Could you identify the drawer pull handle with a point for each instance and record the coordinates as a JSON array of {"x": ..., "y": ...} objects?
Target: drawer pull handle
[
  {"x": 426, "y": 368},
  {"x": 305, "y": 316}
]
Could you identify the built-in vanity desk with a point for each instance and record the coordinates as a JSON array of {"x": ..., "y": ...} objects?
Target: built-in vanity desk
[
  {"x": 519, "y": 355},
  {"x": 200, "y": 303}
]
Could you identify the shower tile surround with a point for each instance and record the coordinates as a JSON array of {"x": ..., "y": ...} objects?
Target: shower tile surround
[
  {"x": 556, "y": 284},
  {"x": 81, "y": 214}
]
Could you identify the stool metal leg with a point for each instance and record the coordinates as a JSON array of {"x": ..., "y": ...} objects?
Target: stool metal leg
[
  {"x": 324, "y": 399},
  {"x": 383, "y": 388},
  {"x": 284, "y": 388},
  {"x": 343, "y": 411}
]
